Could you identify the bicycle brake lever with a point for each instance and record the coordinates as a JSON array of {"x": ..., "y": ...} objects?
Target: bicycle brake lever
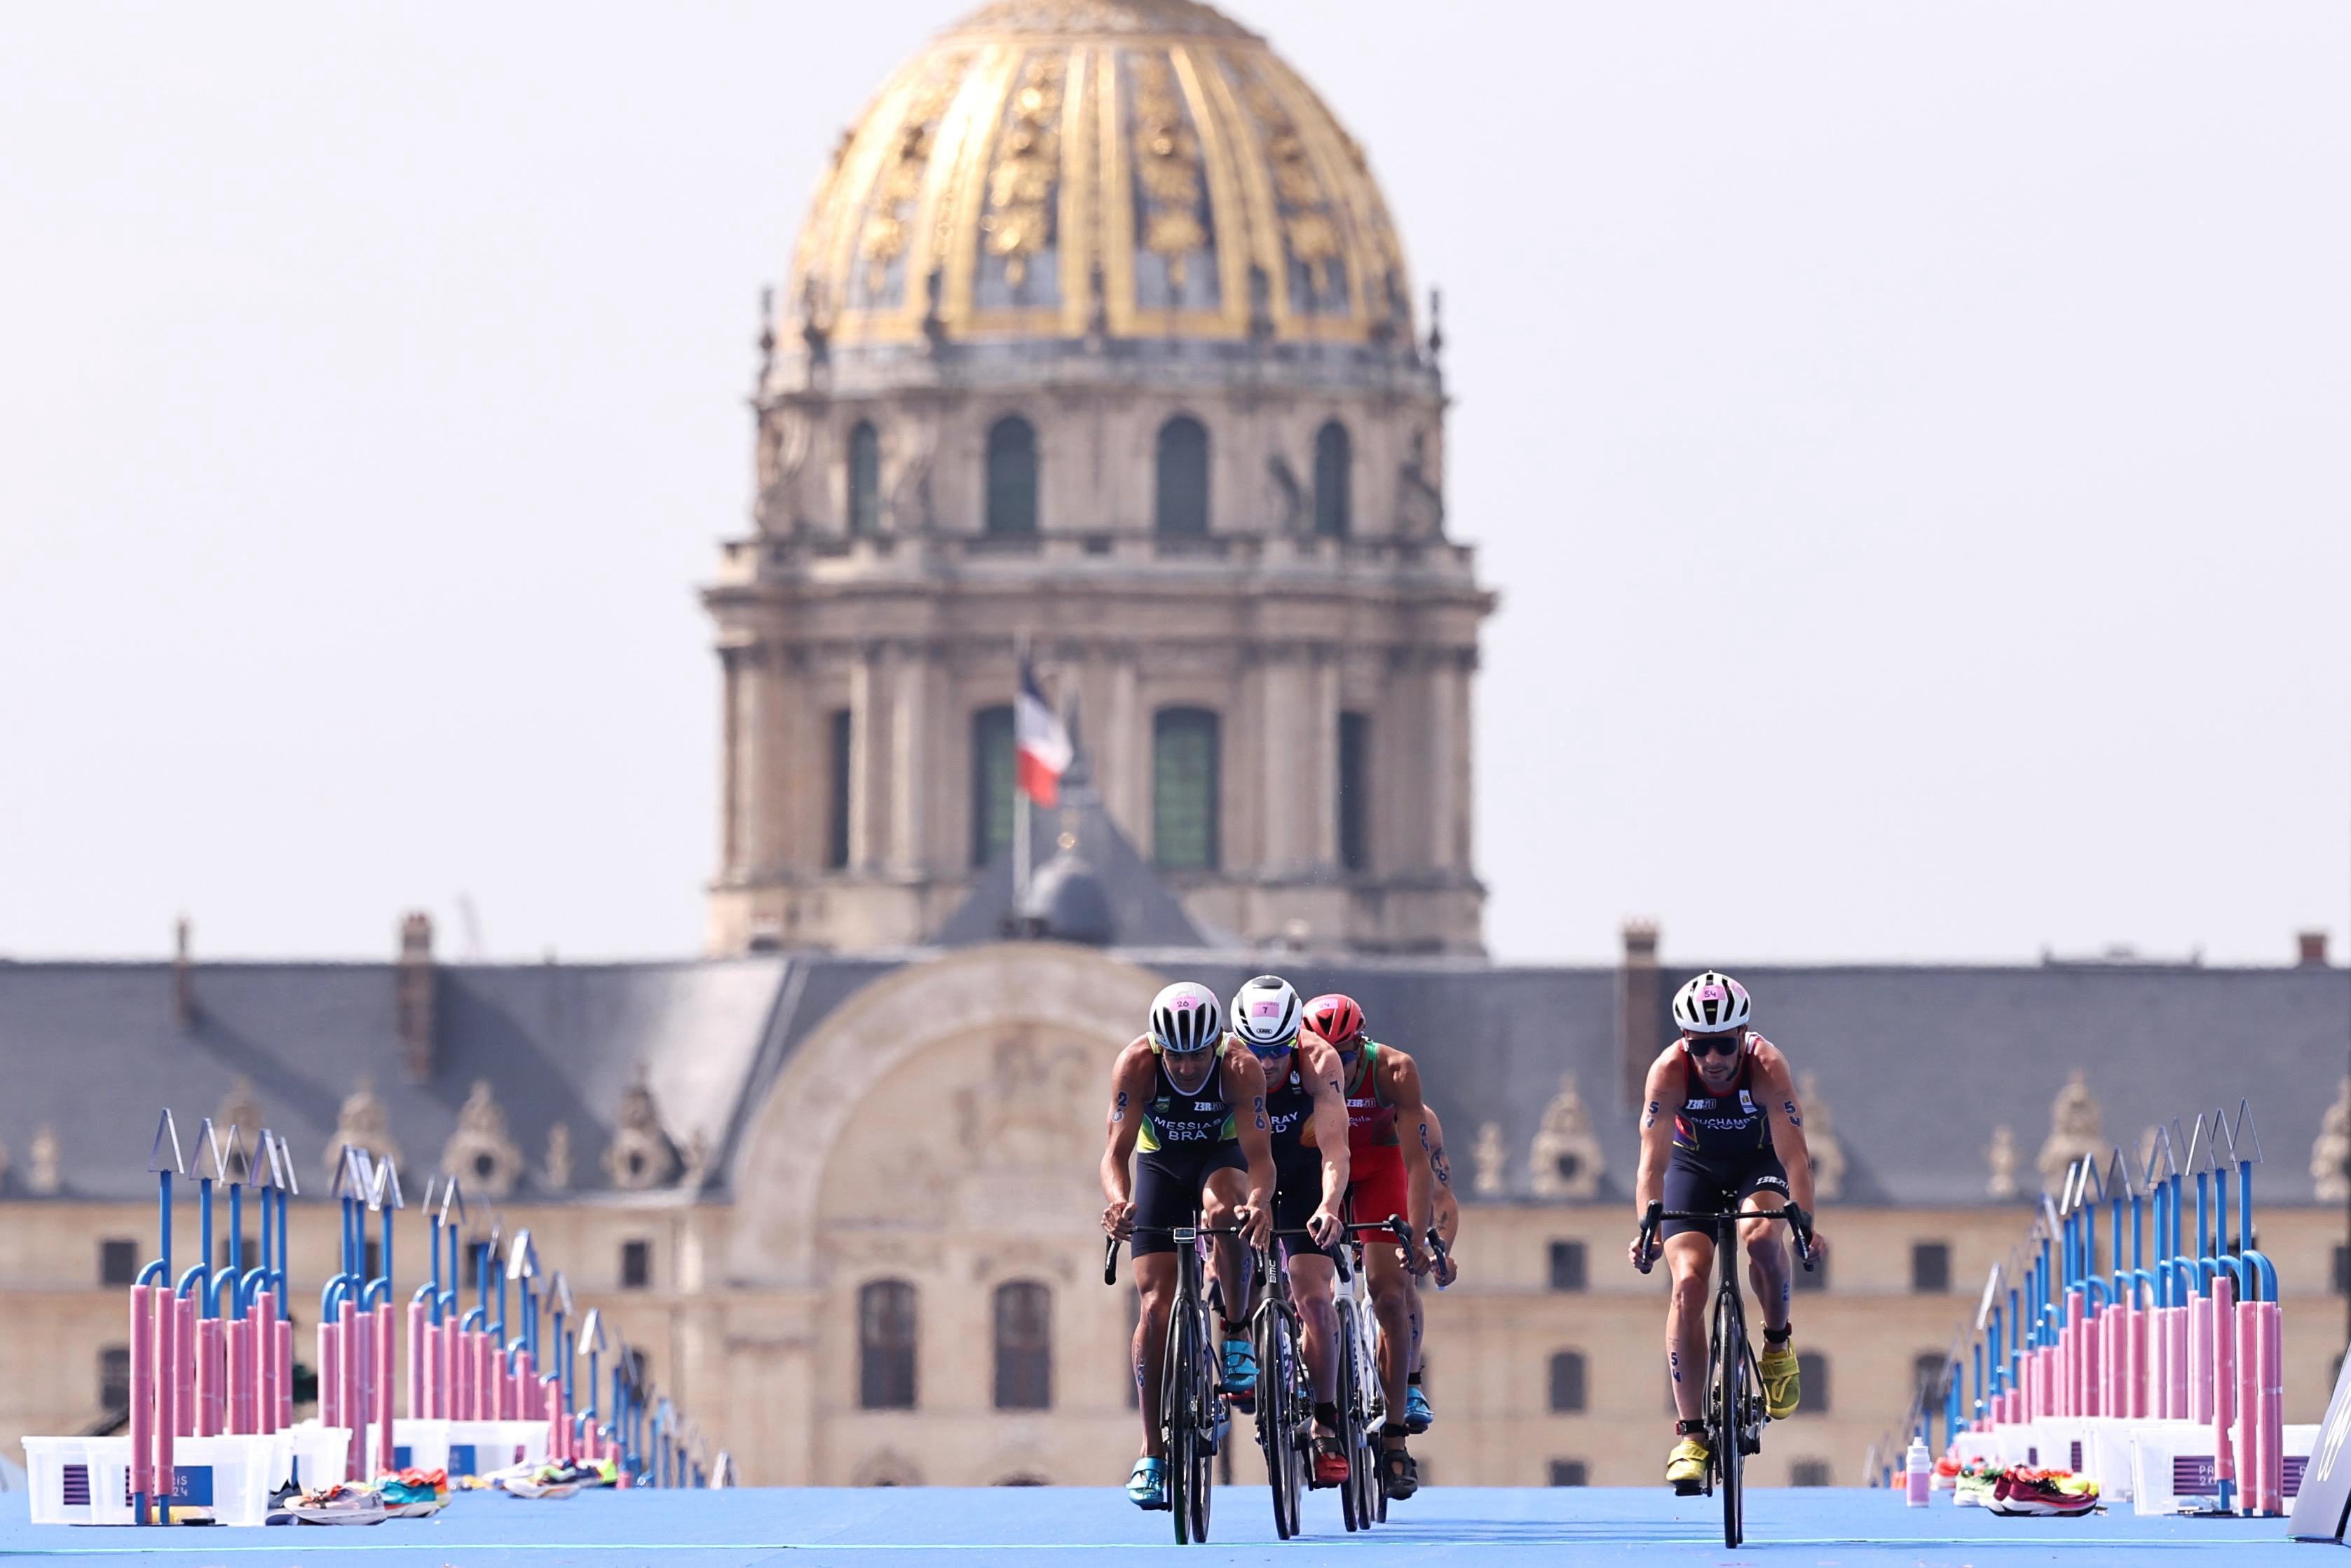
[{"x": 1110, "y": 1260}]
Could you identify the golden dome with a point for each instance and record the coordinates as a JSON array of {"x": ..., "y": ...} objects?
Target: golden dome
[{"x": 1069, "y": 168}]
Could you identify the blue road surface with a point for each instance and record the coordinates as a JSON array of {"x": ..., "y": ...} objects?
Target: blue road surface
[{"x": 1081, "y": 1527}]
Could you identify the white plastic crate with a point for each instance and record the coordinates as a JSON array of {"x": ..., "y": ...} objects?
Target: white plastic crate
[
  {"x": 420, "y": 1442},
  {"x": 78, "y": 1481},
  {"x": 478, "y": 1448},
  {"x": 2173, "y": 1468},
  {"x": 314, "y": 1455}
]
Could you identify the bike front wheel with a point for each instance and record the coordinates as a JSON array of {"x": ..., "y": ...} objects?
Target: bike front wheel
[
  {"x": 1278, "y": 1415},
  {"x": 1176, "y": 1424},
  {"x": 1731, "y": 1396}
]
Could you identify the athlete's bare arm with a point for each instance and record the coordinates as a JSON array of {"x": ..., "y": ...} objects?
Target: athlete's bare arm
[
  {"x": 1245, "y": 1091},
  {"x": 1444, "y": 1205},
  {"x": 1412, "y": 1131},
  {"x": 1130, "y": 1090},
  {"x": 1660, "y": 1097},
  {"x": 1775, "y": 1086},
  {"x": 1319, "y": 1069}
]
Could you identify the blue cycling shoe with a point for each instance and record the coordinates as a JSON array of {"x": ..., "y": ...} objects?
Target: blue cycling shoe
[
  {"x": 1417, "y": 1416},
  {"x": 1147, "y": 1486},
  {"x": 1240, "y": 1374}
]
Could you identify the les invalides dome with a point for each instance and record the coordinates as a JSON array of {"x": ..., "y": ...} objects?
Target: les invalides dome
[{"x": 1099, "y": 340}]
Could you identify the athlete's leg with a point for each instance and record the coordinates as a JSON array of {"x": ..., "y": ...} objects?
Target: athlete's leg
[
  {"x": 1310, "y": 1285},
  {"x": 1154, "y": 1278},
  {"x": 1767, "y": 1258},
  {"x": 1690, "y": 1261},
  {"x": 1392, "y": 1302},
  {"x": 1223, "y": 1192}
]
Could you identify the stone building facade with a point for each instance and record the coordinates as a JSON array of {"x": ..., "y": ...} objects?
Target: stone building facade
[{"x": 1098, "y": 339}]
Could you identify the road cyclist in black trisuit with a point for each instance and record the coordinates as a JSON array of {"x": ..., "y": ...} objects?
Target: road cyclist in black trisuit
[
  {"x": 1721, "y": 1128},
  {"x": 1188, "y": 1104},
  {"x": 1303, "y": 1075}
]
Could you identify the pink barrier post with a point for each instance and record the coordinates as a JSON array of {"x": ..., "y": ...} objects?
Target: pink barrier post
[
  {"x": 265, "y": 1328},
  {"x": 236, "y": 1332},
  {"x": 2220, "y": 1352},
  {"x": 208, "y": 1377},
  {"x": 143, "y": 1396},
  {"x": 2093, "y": 1379},
  {"x": 331, "y": 1375},
  {"x": 384, "y": 1386},
  {"x": 2135, "y": 1358},
  {"x": 2049, "y": 1381},
  {"x": 419, "y": 1404},
  {"x": 167, "y": 1380},
  {"x": 2252, "y": 1463},
  {"x": 2273, "y": 1403},
  {"x": 284, "y": 1337},
  {"x": 183, "y": 1363},
  {"x": 2199, "y": 1360},
  {"x": 2175, "y": 1359},
  {"x": 551, "y": 1394},
  {"x": 490, "y": 1388},
  {"x": 354, "y": 1410}
]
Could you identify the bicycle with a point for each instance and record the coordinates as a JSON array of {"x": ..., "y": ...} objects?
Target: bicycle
[
  {"x": 1190, "y": 1390},
  {"x": 1734, "y": 1412},
  {"x": 1362, "y": 1396},
  {"x": 1285, "y": 1401}
]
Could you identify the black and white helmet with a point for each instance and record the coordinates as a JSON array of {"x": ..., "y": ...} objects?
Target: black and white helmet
[
  {"x": 1266, "y": 1013},
  {"x": 1185, "y": 1017},
  {"x": 1710, "y": 1004}
]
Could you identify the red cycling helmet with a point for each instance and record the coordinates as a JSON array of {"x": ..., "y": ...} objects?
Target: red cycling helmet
[{"x": 1336, "y": 1018}]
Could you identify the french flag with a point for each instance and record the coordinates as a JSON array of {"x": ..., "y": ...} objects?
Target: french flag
[{"x": 1040, "y": 742}]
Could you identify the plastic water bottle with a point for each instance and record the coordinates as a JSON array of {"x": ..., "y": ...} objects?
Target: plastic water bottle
[{"x": 1919, "y": 1468}]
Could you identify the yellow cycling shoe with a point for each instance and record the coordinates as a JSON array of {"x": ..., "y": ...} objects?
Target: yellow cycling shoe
[
  {"x": 1685, "y": 1466},
  {"x": 1781, "y": 1388}
]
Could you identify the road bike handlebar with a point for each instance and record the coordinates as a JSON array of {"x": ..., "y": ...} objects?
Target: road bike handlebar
[
  {"x": 1110, "y": 1243},
  {"x": 1799, "y": 1227}
]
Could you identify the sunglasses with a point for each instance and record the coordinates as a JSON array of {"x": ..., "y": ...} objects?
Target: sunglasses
[
  {"x": 1269, "y": 1052},
  {"x": 1713, "y": 1044}
]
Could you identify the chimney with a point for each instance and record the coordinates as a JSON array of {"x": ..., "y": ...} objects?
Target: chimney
[
  {"x": 2312, "y": 946},
  {"x": 414, "y": 996},
  {"x": 1639, "y": 1003},
  {"x": 184, "y": 980}
]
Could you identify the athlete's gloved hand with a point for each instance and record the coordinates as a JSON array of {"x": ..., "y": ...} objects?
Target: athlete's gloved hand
[
  {"x": 1322, "y": 1225},
  {"x": 1118, "y": 1221},
  {"x": 1800, "y": 1227},
  {"x": 1256, "y": 1224},
  {"x": 1415, "y": 1257},
  {"x": 1647, "y": 1245}
]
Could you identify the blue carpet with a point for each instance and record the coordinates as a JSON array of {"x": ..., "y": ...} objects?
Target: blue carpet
[{"x": 998, "y": 1527}]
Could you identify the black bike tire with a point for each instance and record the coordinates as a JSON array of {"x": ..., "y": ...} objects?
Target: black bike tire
[
  {"x": 1270, "y": 1407},
  {"x": 1208, "y": 1403},
  {"x": 1295, "y": 1414},
  {"x": 1378, "y": 1428},
  {"x": 1349, "y": 1496},
  {"x": 1733, "y": 1353},
  {"x": 1176, "y": 1417}
]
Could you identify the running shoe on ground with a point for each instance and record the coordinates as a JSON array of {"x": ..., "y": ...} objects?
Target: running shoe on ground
[
  {"x": 1330, "y": 1461},
  {"x": 1417, "y": 1416},
  {"x": 2037, "y": 1494},
  {"x": 1685, "y": 1466},
  {"x": 414, "y": 1493},
  {"x": 1146, "y": 1487},
  {"x": 1240, "y": 1374},
  {"x": 1972, "y": 1487},
  {"x": 339, "y": 1504},
  {"x": 1781, "y": 1388}
]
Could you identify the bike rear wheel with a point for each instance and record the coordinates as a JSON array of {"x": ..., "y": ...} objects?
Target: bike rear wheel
[
  {"x": 1731, "y": 1404},
  {"x": 1351, "y": 1510},
  {"x": 1208, "y": 1403}
]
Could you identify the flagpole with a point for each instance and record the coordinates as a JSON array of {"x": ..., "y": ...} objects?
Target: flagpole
[{"x": 1021, "y": 805}]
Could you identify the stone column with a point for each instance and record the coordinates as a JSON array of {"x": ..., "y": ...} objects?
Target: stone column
[
  {"x": 733, "y": 700},
  {"x": 1319, "y": 758},
  {"x": 1447, "y": 737},
  {"x": 1123, "y": 769},
  {"x": 911, "y": 748},
  {"x": 1280, "y": 742},
  {"x": 869, "y": 689}
]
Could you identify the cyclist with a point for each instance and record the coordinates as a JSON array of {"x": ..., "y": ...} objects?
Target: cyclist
[
  {"x": 1307, "y": 1113},
  {"x": 1388, "y": 1142},
  {"x": 1193, "y": 1104},
  {"x": 1710, "y": 1141}
]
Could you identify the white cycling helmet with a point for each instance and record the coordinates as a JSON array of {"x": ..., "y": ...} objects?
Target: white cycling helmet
[
  {"x": 1710, "y": 1004},
  {"x": 1185, "y": 1017},
  {"x": 1266, "y": 1013}
]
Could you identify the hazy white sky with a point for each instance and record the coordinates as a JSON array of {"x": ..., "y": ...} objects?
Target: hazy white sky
[{"x": 1909, "y": 441}]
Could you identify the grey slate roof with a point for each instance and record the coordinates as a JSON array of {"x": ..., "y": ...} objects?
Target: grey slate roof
[{"x": 1918, "y": 1063}]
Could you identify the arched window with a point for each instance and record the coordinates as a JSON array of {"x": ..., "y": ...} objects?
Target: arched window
[
  {"x": 864, "y": 479},
  {"x": 1567, "y": 1383},
  {"x": 1334, "y": 462},
  {"x": 1183, "y": 505},
  {"x": 992, "y": 771},
  {"x": 1931, "y": 1373},
  {"x": 1812, "y": 1369},
  {"x": 1024, "y": 1346},
  {"x": 1011, "y": 476},
  {"x": 1354, "y": 803},
  {"x": 1185, "y": 779},
  {"x": 885, "y": 1345}
]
